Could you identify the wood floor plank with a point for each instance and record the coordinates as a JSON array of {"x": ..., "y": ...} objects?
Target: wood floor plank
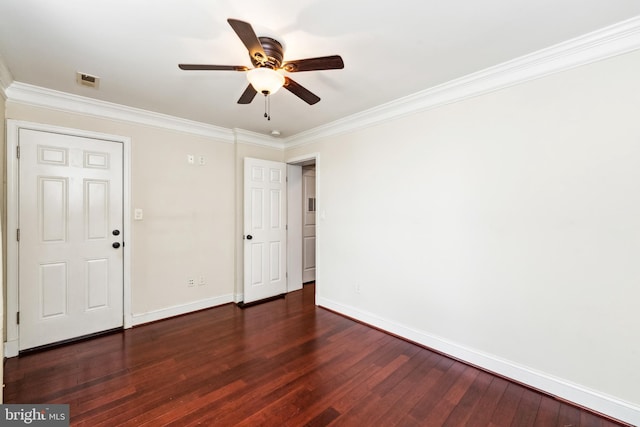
[
  {"x": 527, "y": 410},
  {"x": 362, "y": 405},
  {"x": 450, "y": 400},
  {"x": 547, "y": 412},
  {"x": 507, "y": 406},
  {"x": 568, "y": 416},
  {"x": 324, "y": 418},
  {"x": 282, "y": 363},
  {"x": 405, "y": 393},
  {"x": 428, "y": 402},
  {"x": 463, "y": 411}
]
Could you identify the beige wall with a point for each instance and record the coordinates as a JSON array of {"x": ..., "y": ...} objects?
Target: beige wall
[
  {"x": 504, "y": 228},
  {"x": 189, "y": 210}
]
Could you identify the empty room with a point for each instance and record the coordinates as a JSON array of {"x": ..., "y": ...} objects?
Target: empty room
[{"x": 321, "y": 212}]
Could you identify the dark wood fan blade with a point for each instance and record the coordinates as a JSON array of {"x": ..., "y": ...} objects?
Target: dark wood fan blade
[
  {"x": 213, "y": 67},
  {"x": 301, "y": 92},
  {"x": 247, "y": 96},
  {"x": 244, "y": 30},
  {"x": 333, "y": 62}
]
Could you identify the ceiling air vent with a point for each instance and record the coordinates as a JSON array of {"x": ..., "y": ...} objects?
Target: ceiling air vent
[{"x": 87, "y": 80}]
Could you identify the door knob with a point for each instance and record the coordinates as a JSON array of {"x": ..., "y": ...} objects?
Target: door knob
[
  {"x": 116, "y": 245},
  {"x": 249, "y": 237},
  {"x": 115, "y": 232}
]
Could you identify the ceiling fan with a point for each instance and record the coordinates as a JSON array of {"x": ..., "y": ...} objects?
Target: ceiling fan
[{"x": 267, "y": 57}]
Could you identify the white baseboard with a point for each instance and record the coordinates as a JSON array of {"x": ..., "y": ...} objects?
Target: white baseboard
[
  {"x": 559, "y": 387},
  {"x": 176, "y": 310}
]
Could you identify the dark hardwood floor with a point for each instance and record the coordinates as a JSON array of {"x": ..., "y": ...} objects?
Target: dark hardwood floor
[{"x": 282, "y": 363}]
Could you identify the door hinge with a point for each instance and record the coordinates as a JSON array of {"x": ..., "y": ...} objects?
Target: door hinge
[
  {"x": 18, "y": 151},
  {"x": 18, "y": 234},
  {"x": 18, "y": 318}
]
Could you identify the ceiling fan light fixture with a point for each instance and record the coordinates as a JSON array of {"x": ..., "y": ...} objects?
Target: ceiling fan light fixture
[{"x": 265, "y": 80}]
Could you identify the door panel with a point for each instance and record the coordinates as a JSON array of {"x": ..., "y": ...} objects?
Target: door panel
[
  {"x": 265, "y": 221},
  {"x": 97, "y": 212},
  {"x": 97, "y": 283},
  {"x": 70, "y": 277},
  {"x": 52, "y": 202},
  {"x": 309, "y": 250},
  {"x": 53, "y": 289}
]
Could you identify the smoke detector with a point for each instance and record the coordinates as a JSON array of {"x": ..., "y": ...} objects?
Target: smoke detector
[{"x": 87, "y": 80}]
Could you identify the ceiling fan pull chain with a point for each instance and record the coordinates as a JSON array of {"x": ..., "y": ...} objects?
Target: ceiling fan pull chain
[{"x": 267, "y": 106}]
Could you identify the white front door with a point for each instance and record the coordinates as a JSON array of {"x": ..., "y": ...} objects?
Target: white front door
[
  {"x": 265, "y": 229},
  {"x": 309, "y": 224},
  {"x": 70, "y": 249}
]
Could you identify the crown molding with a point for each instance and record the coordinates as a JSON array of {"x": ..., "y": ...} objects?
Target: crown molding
[
  {"x": 5, "y": 78},
  {"x": 41, "y": 97},
  {"x": 247, "y": 137},
  {"x": 607, "y": 42}
]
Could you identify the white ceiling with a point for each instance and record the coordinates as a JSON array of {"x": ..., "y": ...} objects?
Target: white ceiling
[{"x": 390, "y": 49}]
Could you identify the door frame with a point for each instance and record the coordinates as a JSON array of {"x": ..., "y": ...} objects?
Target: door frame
[
  {"x": 301, "y": 160},
  {"x": 12, "y": 303}
]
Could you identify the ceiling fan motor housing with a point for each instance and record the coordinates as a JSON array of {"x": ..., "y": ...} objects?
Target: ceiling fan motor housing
[{"x": 274, "y": 51}]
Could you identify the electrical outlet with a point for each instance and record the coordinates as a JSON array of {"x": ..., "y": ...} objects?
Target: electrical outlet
[
  {"x": 202, "y": 161},
  {"x": 201, "y": 281},
  {"x": 191, "y": 282}
]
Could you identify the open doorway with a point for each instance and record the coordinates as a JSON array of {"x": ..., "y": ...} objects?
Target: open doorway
[
  {"x": 308, "y": 223},
  {"x": 302, "y": 220}
]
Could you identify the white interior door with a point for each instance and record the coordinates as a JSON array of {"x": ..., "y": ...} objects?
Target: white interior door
[
  {"x": 70, "y": 219},
  {"x": 265, "y": 231},
  {"x": 309, "y": 224}
]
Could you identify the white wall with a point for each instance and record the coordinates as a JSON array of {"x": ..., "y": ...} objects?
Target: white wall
[{"x": 504, "y": 229}]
